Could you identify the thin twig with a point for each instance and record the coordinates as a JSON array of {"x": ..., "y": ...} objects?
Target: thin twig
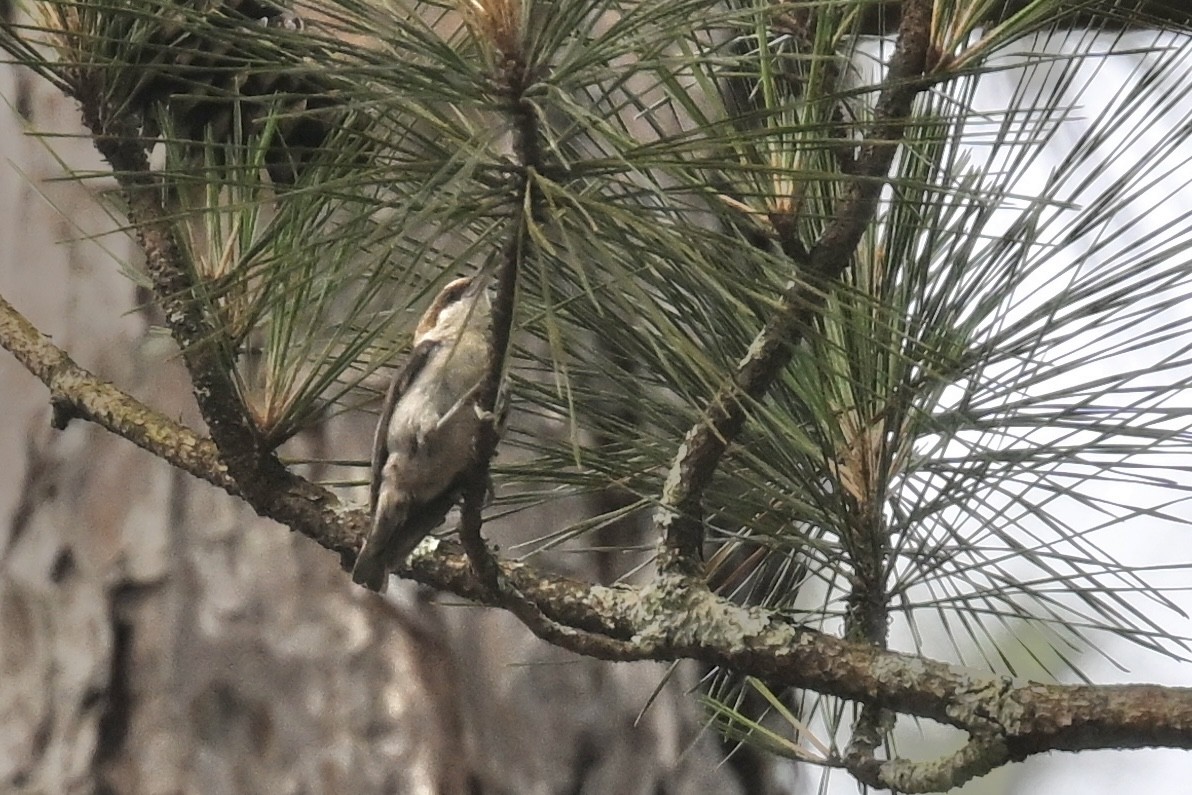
[{"x": 513, "y": 78}]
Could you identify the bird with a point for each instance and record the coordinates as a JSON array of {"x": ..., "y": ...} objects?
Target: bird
[{"x": 424, "y": 444}]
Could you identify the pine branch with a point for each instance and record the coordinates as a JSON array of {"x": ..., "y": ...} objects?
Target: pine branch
[
  {"x": 77, "y": 393},
  {"x": 679, "y": 519},
  {"x": 263, "y": 481},
  {"x": 674, "y": 617},
  {"x": 1007, "y": 721}
]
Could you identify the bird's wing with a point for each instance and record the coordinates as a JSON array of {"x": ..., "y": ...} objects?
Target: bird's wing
[{"x": 397, "y": 387}]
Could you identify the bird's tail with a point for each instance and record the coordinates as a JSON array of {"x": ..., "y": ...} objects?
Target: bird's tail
[
  {"x": 397, "y": 528},
  {"x": 370, "y": 569},
  {"x": 377, "y": 556}
]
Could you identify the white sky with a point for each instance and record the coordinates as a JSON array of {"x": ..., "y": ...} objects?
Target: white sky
[{"x": 1135, "y": 149}]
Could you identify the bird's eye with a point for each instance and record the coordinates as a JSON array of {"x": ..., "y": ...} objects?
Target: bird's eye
[{"x": 454, "y": 292}]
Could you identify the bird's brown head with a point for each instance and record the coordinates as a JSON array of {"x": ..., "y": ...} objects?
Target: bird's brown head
[{"x": 453, "y": 298}]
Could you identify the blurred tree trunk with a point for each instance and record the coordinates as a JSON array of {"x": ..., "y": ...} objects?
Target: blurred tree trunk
[{"x": 157, "y": 637}]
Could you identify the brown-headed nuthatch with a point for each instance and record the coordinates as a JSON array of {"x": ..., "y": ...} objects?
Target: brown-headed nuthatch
[{"x": 425, "y": 441}]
